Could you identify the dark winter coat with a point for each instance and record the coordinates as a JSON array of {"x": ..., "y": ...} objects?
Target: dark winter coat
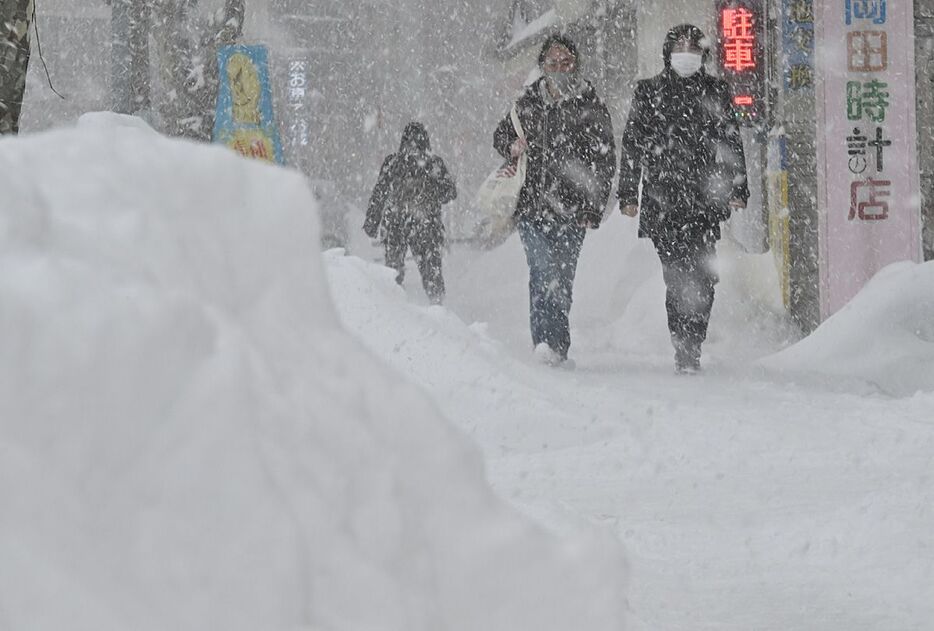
[
  {"x": 682, "y": 141},
  {"x": 412, "y": 186},
  {"x": 571, "y": 156}
]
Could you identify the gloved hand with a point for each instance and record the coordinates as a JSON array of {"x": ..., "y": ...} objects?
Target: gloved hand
[
  {"x": 589, "y": 220},
  {"x": 629, "y": 210}
]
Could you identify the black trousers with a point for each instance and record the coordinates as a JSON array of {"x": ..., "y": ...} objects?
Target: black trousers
[
  {"x": 425, "y": 238},
  {"x": 687, "y": 267}
]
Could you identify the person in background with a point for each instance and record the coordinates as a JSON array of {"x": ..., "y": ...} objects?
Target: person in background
[
  {"x": 406, "y": 203},
  {"x": 683, "y": 143},
  {"x": 570, "y": 169}
]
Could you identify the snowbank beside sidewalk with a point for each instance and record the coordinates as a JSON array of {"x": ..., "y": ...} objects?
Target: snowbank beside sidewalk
[
  {"x": 189, "y": 439},
  {"x": 884, "y": 337}
]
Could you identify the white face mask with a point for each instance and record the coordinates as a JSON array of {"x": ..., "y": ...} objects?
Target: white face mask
[
  {"x": 563, "y": 82},
  {"x": 686, "y": 64}
]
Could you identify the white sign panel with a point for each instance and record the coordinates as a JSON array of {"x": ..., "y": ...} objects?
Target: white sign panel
[{"x": 869, "y": 206}]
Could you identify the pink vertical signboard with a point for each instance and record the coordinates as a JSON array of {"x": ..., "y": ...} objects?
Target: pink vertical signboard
[{"x": 868, "y": 183}]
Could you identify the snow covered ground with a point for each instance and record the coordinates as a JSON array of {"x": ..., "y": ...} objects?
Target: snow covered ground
[
  {"x": 193, "y": 436},
  {"x": 772, "y": 492}
]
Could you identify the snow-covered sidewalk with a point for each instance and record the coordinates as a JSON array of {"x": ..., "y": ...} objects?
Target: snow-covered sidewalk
[{"x": 748, "y": 497}]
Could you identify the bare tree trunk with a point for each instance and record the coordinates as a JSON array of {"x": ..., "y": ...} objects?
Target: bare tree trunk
[
  {"x": 15, "y": 21},
  {"x": 187, "y": 46}
]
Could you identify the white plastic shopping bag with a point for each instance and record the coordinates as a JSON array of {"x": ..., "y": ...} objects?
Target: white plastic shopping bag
[{"x": 497, "y": 197}]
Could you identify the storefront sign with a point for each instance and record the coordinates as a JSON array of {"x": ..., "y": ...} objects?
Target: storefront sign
[{"x": 869, "y": 201}]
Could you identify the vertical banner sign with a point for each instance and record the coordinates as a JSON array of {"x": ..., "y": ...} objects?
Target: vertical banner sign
[
  {"x": 798, "y": 44},
  {"x": 741, "y": 56},
  {"x": 245, "y": 120},
  {"x": 868, "y": 181},
  {"x": 297, "y": 102}
]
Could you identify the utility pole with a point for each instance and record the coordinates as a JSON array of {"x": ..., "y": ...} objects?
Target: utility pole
[
  {"x": 794, "y": 158},
  {"x": 924, "y": 78},
  {"x": 130, "y": 56},
  {"x": 15, "y": 21}
]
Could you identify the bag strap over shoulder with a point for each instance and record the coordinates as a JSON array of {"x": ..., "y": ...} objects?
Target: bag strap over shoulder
[{"x": 517, "y": 125}]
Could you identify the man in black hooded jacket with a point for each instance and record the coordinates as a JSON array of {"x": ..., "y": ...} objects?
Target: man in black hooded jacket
[
  {"x": 683, "y": 143},
  {"x": 412, "y": 186},
  {"x": 571, "y": 164}
]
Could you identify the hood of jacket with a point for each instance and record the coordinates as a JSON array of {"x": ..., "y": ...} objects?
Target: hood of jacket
[
  {"x": 415, "y": 139},
  {"x": 682, "y": 32}
]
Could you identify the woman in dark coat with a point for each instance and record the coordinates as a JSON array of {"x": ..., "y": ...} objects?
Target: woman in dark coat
[
  {"x": 683, "y": 143},
  {"x": 571, "y": 164},
  {"x": 412, "y": 186}
]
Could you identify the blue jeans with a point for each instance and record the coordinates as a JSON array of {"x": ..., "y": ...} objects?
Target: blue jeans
[{"x": 552, "y": 256}]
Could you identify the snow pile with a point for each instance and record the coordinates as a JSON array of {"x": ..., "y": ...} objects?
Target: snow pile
[
  {"x": 189, "y": 440},
  {"x": 883, "y": 337},
  {"x": 473, "y": 376}
]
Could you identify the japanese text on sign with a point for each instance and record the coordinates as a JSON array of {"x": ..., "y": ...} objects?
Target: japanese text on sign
[
  {"x": 867, "y": 138},
  {"x": 299, "y": 131},
  {"x": 867, "y": 99},
  {"x": 739, "y": 39},
  {"x": 798, "y": 44},
  {"x": 740, "y": 57}
]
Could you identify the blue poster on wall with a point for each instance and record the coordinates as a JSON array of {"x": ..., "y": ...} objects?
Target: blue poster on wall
[{"x": 245, "y": 120}]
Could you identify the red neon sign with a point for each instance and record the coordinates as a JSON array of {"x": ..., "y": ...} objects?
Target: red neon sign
[
  {"x": 739, "y": 39},
  {"x": 743, "y": 99}
]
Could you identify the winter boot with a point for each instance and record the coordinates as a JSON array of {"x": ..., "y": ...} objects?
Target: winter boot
[
  {"x": 545, "y": 354},
  {"x": 687, "y": 359}
]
